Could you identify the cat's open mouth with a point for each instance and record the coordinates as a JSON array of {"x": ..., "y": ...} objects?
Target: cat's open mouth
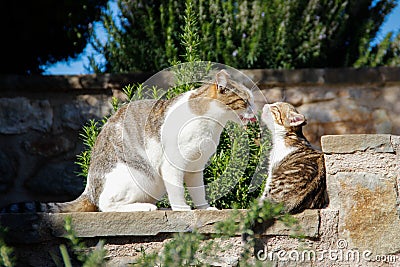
[{"x": 247, "y": 118}]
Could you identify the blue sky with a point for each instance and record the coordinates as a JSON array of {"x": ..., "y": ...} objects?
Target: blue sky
[{"x": 77, "y": 66}]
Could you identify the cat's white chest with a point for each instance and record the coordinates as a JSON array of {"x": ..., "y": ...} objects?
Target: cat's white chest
[
  {"x": 188, "y": 139},
  {"x": 278, "y": 152}
]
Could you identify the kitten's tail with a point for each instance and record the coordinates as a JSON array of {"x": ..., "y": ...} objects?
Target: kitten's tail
[{"x": 81, "y": 204}]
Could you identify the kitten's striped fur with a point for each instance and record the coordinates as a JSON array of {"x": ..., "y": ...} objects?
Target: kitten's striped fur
[{"x": 296, "y": 171}]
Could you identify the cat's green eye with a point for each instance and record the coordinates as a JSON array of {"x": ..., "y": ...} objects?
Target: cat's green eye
[{"x": 221, "y": 89}]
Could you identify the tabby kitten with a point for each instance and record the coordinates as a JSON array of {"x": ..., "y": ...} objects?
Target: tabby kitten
[
  {"x": 152, "y": 147},
  {"x": 296, "y": 174}
]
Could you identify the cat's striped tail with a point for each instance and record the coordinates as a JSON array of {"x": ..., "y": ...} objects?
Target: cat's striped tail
[{"x": 81, "y": 204}]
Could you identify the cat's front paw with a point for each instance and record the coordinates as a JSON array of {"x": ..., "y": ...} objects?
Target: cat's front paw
[
  {"x": 206, "y": 207},
  {"x": 180, "y": 207},
  {"x": 152, "y": 207}
]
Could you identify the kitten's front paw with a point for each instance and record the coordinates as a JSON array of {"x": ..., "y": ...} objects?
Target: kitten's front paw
[{"x": 211, "y": 208}]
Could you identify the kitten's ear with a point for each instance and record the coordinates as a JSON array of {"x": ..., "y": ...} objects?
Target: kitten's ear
[
  {"x": 221, "y": 80},
  {"x": 296, "y": 119}
]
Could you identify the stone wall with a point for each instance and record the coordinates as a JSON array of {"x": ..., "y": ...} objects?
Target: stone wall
[
  {"x": 360, "y": 227},
  {"x": 40, "y": 122},
  {"x": 40, "y": 118},
  {"x": 337, "y": 101}
]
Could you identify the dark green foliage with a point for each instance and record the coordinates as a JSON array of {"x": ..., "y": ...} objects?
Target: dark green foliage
[
  {"x": 37, "y": 33},
  {"x": 6, "y": 252},
  {"x": 235, "y": 164},
  {"x": 88, "y": 258},
  {"x": 385, "y": 53},
  {"x": 246, "y": 34},
  {"x": 88, "y": 135},
  {"x": 257, "y": 213},
  {"x": 193, "y": 249}
]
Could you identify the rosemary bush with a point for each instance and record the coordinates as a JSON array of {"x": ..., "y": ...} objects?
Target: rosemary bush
[
  {"x": 94, "y": 258},
  {"x": 6, "y": 252},
  {"x": 195, "y": 249},
  {"x": 144, "y": 35}
]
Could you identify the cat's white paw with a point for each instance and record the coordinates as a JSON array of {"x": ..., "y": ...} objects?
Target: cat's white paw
[
  {"x": 142, "y": 207},
  {"x": 180, "y": 208},
  {"x": 206, "y": 207},
  {"x": 152, "y": 207}
]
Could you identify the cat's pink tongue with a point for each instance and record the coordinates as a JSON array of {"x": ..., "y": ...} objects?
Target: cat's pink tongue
[{"x": 247, "y": 119}]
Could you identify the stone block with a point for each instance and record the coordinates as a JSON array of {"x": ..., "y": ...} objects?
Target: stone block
[
  {"x": 342, "y": 144},
  {"x": 56, "y": 178},
  {"x": 7, "y": 171},
  {"x": 352, "y": 75},
  {"x": 153, "y": 223},
  {"x": 383, "y": 164},
  {"x": 48, "y": 145},
  {"x": 308, "y": 222},
  {"x": 389, "y": 74},
  {"x": 395, "y": 141},
  {"x": 368, "y": 218},
  {"x": 33, "y": 228},
  {"x": 362, "y": 174},
  {"x": 19, "y": 114}
]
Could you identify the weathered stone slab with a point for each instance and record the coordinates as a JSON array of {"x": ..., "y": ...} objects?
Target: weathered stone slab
[
  {"x": 384, "y": 164},
  {"x": 308, "y": 221},
  {"x": 395, "y": 140},
  {"x": 362, "y": 174},
  {"x": 368, "y": 218},
  {"x": 356, "y": 142},
  {"x": 32, "y": 228}
]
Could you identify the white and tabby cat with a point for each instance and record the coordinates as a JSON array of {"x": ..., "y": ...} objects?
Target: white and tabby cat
[
  {"x": 296, "y": 174},
  {"x": 152, "y": 147}
]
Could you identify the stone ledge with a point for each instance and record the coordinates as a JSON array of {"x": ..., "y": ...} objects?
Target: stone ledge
[
  {"x": 274, "y": 77},
  {"x": 59, "y": 83},
  {"x": 38, "y": 227},
  {"x": 350, "y": 143},
  {"x": 328, "y": 76}
]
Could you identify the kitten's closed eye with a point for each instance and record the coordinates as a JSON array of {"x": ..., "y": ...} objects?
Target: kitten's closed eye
[{"x": 284, "y": 114}]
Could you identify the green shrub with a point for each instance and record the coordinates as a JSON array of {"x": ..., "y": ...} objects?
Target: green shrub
[
  {"x": 94, "y": 258},
  {"x": 6, "y": 252},
  {"x": 144, "y": 35},
  {"x": 195, "y": 249},
  {"x": 239, "y": 159}
]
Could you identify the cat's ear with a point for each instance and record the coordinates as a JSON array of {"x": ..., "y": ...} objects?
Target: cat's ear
[
  {"x": 296, "y": 119},
  {"x": 221, "y": 80}
]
